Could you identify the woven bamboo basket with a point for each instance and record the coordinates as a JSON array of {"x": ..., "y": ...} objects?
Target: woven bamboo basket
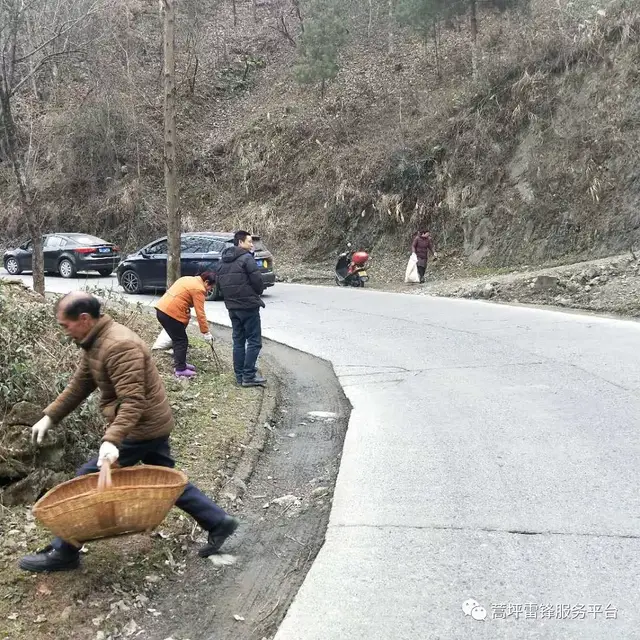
[{"x": 110, "y": 503}]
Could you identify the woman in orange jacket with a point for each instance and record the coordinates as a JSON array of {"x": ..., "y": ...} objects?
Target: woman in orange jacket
[{"x": 174, "y": 312}]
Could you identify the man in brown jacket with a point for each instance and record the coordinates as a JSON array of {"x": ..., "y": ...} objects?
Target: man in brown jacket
[{"x": 134, "y": 403}]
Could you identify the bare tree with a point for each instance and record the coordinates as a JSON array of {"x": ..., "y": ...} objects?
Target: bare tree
[
  {"x": 281, "y": 11},
  {"x": 473, "y": 11},
  {"x": 390, "y": 27},
  {"x": 170, "y": 178},
  {"x": 33, "y": 37}
]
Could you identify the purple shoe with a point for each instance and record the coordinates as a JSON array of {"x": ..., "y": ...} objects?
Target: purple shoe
[
  {"x": 185, "y": 373},
  {"x": 191, "y": 367}
]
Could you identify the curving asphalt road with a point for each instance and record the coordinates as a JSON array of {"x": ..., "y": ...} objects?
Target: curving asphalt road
[{"x": 492, "y": 454}]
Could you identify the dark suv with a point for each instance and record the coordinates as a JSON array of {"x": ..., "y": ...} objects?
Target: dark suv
[
  {"x": 66, "y": 254},
  {"x": 147, "y": 268}
]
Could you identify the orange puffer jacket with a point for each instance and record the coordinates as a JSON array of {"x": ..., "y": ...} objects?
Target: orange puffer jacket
[{"x": 186, "y": 292}]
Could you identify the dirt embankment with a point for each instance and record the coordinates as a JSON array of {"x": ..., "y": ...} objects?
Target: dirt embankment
[{"x": 609, "y": 285}]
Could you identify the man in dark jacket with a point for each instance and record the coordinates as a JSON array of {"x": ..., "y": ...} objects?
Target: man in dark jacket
[{"x": 241, "y": 284}]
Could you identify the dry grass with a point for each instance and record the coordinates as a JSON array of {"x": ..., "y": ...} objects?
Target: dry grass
[
  {"x": 212, "y": 416},
  {"x": 536, "y": 152}
]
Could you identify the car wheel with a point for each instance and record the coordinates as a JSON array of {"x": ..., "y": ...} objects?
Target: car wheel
[
  {"x": 105, "y": 273},
  {"x": 12, "y": 266},
  {"x": 66, "y": 268},
  {"x": 130, "y": 282}
]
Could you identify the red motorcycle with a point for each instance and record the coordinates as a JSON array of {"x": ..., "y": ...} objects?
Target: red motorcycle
[{"x": 351, "y": 268}]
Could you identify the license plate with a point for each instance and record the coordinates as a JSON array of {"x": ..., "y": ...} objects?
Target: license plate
[{"x": 104, "y": 250}]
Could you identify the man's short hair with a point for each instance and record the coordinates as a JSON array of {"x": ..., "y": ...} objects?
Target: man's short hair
[
  {"x": 73, "y": 306},
  {"x": 209, "y": 277},
  {"x": 240, "y": 236}
]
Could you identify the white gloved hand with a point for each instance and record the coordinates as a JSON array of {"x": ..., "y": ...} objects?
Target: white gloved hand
[
  {"x": 40, "y": 428},
  {"x": 108, "y": 451},
  {"x": 435, "y": 255},
  {"x": 207, "y": 337}
]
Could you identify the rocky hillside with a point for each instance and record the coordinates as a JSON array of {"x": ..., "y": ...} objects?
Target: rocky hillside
[{"x": 533, "y": 159}]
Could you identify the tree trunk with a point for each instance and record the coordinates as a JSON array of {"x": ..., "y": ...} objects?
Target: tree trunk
[
  {"x": 437, "y": 46},
  {"x": 296, "y": 5},
  {"x": 170, "y": 179},
  {"x": 370, "y": 18},
  {"x": 474, "y": 38},
  {"x": 255, "y": 10},
  {"x": 235, "y": 13},
  {"x": 26, "y": 204},
  {"x": 390, "y": 26},
  {"x": 37, "y": 258}
]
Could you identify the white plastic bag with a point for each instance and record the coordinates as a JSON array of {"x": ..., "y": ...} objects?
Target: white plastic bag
[
  {"x": 163, "y": 342},
  {"x": 411, "y": 275}
]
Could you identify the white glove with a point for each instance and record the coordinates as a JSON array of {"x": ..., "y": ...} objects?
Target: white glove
[
  {"x": 435, "y": 255},
  {"x": 40, "y": 428},
  {"x": 108, "y": 451},
  {"x": 207, "y": 337}
]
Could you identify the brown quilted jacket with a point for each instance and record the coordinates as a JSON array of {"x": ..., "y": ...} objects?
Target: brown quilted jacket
[{"x": 133, "y": 398}]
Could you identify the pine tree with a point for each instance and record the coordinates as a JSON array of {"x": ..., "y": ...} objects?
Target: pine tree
[{"x": 319, "y": 45}]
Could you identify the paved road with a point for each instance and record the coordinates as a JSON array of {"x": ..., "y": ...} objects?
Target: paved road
[{"x": 492, "y": 454}]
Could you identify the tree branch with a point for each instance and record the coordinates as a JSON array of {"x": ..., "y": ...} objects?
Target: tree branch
[
  {"x": 63, "y": 29},
  {"x": 39, "y": 66}
]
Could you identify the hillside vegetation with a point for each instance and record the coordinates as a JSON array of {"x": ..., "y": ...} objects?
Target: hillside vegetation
[{"x": 526, "y": 153}]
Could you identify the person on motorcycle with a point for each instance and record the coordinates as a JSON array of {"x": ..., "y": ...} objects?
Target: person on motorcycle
[{"x": 422, "y": 245}]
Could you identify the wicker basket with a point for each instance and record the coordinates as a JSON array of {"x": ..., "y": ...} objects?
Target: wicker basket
[{"x": 107, "y": 504}]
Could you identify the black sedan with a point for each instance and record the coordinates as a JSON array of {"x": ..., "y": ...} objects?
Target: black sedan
[
  {"x": 66, "y": 254},
  {"x": 147, "y": 268}
]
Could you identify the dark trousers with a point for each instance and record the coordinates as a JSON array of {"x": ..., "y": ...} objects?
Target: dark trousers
[
  {"x": 192, "y": 501},
  {"x": 247, "y": 342},
  {"x": 178, "y": 334},
  {"x": 421, "y": 272}
]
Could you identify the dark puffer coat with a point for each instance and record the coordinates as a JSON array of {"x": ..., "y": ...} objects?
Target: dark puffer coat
[{"x": 239, "y": 279}]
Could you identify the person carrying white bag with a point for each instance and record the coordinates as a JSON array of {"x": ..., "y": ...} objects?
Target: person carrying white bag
[
  {"x": 411, "y": 275},
  {"x": 421, "y": 247}
]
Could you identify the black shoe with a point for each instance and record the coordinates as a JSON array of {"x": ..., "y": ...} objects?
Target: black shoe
[
  {"x": 256, "y": 381},
  {"x": 50, "y": 559},
  {"x": 218, "y": 535}
]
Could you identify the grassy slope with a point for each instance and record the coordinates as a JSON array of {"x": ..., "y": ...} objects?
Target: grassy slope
[{"x": 212, "y": 418}]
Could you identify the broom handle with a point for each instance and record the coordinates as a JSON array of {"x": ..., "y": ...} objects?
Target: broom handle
[{"x": 104, "y": 479}]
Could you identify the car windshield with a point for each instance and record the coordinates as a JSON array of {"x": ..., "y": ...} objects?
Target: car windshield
[{"x": 90, "y": 240}]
